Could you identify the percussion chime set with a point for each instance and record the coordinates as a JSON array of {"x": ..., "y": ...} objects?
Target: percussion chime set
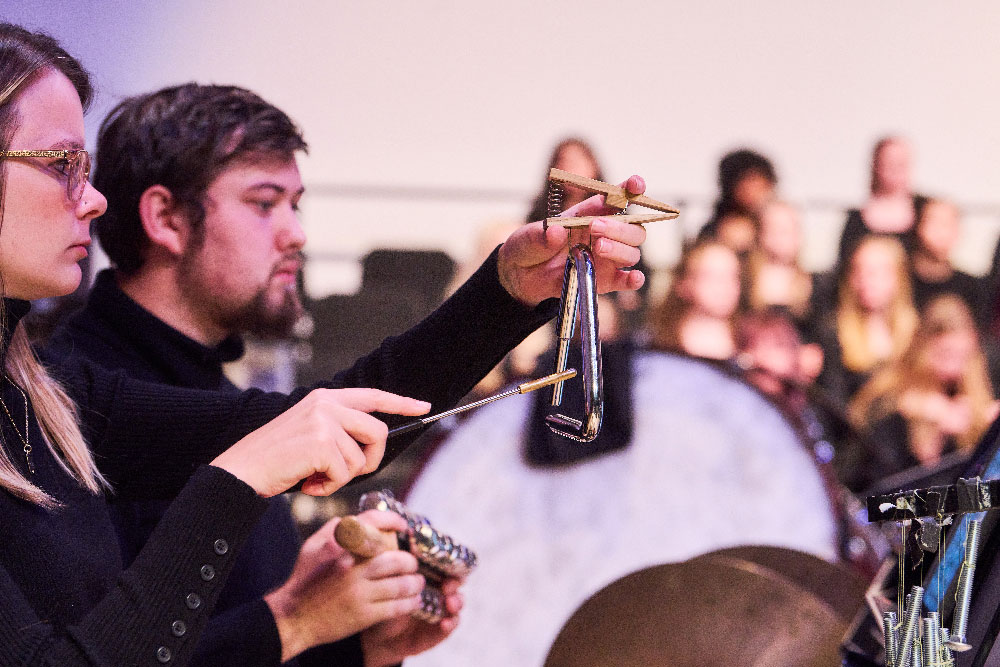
[{"x": 912, "y": 638}]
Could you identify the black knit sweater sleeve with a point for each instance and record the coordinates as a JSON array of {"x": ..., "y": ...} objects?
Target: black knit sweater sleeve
[
  {"x": 149, "y": 438},
  {"x": 158, "y": 607},
  {"x": 246, "y": 636}
]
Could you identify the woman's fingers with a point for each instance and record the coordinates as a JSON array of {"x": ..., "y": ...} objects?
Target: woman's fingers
[
  {"x": 383, "y": 610},
  {"x": 376, "y": 400},
  {"x": 396, "y": 588},
  {"x": 368, "y": 433},
  {"x": 351, "y": 441},
  {"x": 391, "y": 564},
  {"x": 326, "y": 439},
  {"x": 383, "y": 520}
]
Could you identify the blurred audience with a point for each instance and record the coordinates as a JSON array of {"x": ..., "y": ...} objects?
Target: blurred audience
[
  {"x": 697, "y": 315},
  {"x": 892, "y": 207},
  {"x": 935, "y": 399},
  {"x": 577, "y": 157},
  {"x": 874, "y": 318},
  {"x": 774, "y": 359},
  {"x": 774, "y": 275},
  {"x": 747, "y": 182},
  {"x": 932, "y": 272}
]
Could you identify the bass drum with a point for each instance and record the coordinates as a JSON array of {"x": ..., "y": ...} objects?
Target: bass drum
[{"x": 712, "y": 464}]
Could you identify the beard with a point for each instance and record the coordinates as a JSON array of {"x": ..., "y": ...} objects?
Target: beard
[
  {"x": 262, "y": 315},
  {"x": 265, "y": 319}
]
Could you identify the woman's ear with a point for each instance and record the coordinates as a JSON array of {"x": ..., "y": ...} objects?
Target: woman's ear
[{"x": 166, "y": 227}]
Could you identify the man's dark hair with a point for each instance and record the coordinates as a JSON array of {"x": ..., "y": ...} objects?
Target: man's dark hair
[
  {"x": 733, "y": 168},
  {"x": 182, "y": 138}
]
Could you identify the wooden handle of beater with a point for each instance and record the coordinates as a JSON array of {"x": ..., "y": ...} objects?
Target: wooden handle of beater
[{"x": 362, "y": 539}]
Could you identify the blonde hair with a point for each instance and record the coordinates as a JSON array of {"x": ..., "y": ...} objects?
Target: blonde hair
[
  {"x": 57, "y": 420},
  {"x": 880, "y": 396},
  {"x": 25, "y": 56},
  {"x": 802, "y": 287},
  {"x": 902, "y": 317},
  {"x": 665, "y": 321}
]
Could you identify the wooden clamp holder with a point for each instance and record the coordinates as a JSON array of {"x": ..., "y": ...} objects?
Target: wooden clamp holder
[{"x": 614, "y": 196}]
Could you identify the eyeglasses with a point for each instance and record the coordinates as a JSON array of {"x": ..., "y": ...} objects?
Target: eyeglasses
[{"x": 73, "y": 164}]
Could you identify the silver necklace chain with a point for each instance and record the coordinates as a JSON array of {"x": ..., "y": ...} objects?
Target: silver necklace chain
[{"x": 24, "y": 438}]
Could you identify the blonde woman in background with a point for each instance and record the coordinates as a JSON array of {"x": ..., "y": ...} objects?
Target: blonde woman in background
[
  {"x": 935, "y": 399},
  {"x": 774, "y": 275},
  {"x": 874, "y": 318},
  {"x": 696, "y": 317}
]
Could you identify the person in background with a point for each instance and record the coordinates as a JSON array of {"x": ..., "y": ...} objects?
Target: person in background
[
  {"x": 576, "y": 156},
  {"x": 874, "y": 318},
  {"x": 747, "y": 182},
  {"x": 774, "y": 360},
  {"x": 774, "y": 275},
  {"x": 892, "y": 207},
  {"x": 696, "y": 316},
  {"x": 934, "y": 400},
  {"x": 932, "y": 272}
]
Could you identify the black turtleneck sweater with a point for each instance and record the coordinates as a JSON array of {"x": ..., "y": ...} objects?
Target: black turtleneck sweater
[
  {"x": 115, "y": 332},
  {"x": 63, "y": 597}
]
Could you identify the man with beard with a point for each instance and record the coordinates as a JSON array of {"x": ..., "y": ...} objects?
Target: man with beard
[
  {"x": 203, "y": 234},
  {"x": 204, "y": 238}
]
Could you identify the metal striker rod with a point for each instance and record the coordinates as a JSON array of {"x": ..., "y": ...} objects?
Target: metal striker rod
[{"x": 522, "y": 388}]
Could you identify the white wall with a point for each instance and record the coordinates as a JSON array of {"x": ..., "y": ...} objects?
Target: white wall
[{"x": 466, "y": 95}]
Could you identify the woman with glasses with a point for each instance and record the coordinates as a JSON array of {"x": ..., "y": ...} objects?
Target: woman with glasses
[
  {"x": 63, "y": 597},
  {"x": 69, "y": 438}
]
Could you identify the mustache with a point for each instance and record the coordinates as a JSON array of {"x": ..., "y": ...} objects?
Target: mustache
[{"x": 298, "y": 257}]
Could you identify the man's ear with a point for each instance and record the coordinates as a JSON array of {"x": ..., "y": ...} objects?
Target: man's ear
[{"x": 164, "y": 223}]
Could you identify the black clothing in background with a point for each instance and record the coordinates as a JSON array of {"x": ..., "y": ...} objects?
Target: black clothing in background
[
  {"x": 855, "y": 229},
  {"x": 961, "y": 284},
  {"x": 835, "y": 379},
  {"x": 888, "y": 452},
  {"x": 545, "y": 448},
  {"x": 114, "y": 331}
]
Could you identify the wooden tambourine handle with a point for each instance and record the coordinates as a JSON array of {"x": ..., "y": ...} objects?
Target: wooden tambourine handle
[{"x": 363, "y": 540}]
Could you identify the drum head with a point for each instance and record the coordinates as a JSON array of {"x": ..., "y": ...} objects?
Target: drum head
[
  {"x": 711, "y": 465},
  {"x": 706, "y": 612}
]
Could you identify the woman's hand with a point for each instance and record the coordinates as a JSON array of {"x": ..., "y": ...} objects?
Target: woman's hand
[
  {"x": 326, "y": 439},
  {"x": 332, "y": 595},
  {"x": 389, "y": 642},
  {"x": 532, "y": 260}
]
